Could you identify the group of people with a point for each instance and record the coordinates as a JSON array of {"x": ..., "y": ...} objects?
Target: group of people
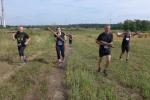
[
  {"x": 104, "y": 40},
  {"x": 60, "y": 38}
]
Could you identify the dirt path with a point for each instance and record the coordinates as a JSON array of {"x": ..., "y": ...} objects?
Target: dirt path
[
  {"x": 56, "y": 88},
  {"x": 7, "y": 69}
]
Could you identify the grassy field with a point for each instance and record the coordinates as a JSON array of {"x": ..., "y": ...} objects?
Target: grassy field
[
  {"x": 126, "y": 81},
  {"x": 33, "y": 75}
]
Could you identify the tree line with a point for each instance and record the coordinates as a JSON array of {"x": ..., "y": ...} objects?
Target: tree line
[
  {"x": 132, "y": 25},
  {"x": 137, "y": 25}
]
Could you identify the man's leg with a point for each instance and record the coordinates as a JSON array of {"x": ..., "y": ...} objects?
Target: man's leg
[
  {"x": 62, "y": 52},
  {"x": 108, "y": 61},
  {"x": 24, "y": 57},
  {"x": 19, "y": 51},
  {"x": 21, "y": 58},
  {"x": 127, "y": 54},
  {"x": 122, "y": 52},
  {"x": 58, "y": 52},
  {"x": 22, "y": 48},
  {"x": 120, "y": 57},
  {"x": 99, "y": 63}
]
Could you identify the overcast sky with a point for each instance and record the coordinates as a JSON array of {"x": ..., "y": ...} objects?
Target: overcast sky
[{"x": 41, "y": 12}]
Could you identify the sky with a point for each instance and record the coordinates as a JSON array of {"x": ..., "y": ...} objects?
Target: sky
[{"x": 51, "y": 12}]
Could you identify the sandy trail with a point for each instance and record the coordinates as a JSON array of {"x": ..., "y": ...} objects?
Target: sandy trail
[{"x": 56, "y": 87}]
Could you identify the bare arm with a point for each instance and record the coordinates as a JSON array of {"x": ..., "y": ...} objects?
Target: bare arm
[
  {"x": 121, "y": 35},
  {"x": 13, "y": 36},
  {"x": 65, "y": 37},
  {"x": 102, "y": 42},
  {"x": 98, "y": 42},
  {"x": 58, "y": 36},
  {"x": 27, "y": 41},
  {"x": 105, "y": 43}
]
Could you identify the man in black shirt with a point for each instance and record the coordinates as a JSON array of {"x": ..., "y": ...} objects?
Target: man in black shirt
[
  {"x": 105, "y": 41},
  {"x": 22, "y": 40},
  {"x": 125, "y": 47},
  {"x": 60, "y": 45}
]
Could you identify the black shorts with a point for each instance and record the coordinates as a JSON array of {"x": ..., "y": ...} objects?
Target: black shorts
[
  {"x": 125, "y": 49},
  {"x": 103, "y": 53}
]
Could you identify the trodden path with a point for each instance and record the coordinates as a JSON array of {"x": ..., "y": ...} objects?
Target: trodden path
[
  {"x": 56, "y": 79},
  {"x": 10, "y": 71},
  {"x": 56, "y": 88}
]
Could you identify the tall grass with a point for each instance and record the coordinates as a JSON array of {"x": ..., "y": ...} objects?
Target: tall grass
[
  {"x": 125, "y": 81},
  {"x": 35, "y": 73}
]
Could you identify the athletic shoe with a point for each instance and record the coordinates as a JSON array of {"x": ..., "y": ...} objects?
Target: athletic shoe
[{"x": 60, "y": 61}]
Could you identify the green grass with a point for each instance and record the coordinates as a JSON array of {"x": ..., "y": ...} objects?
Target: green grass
[
  {"x": 126, "y": 81},
  {"x": 132, "y": 78},
  {"x": 33, "y": 74}
]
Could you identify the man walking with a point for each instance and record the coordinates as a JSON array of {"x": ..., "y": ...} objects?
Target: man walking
[
  {"x": 22, "y": 41},
  {"x": 105, "y": 41}
]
